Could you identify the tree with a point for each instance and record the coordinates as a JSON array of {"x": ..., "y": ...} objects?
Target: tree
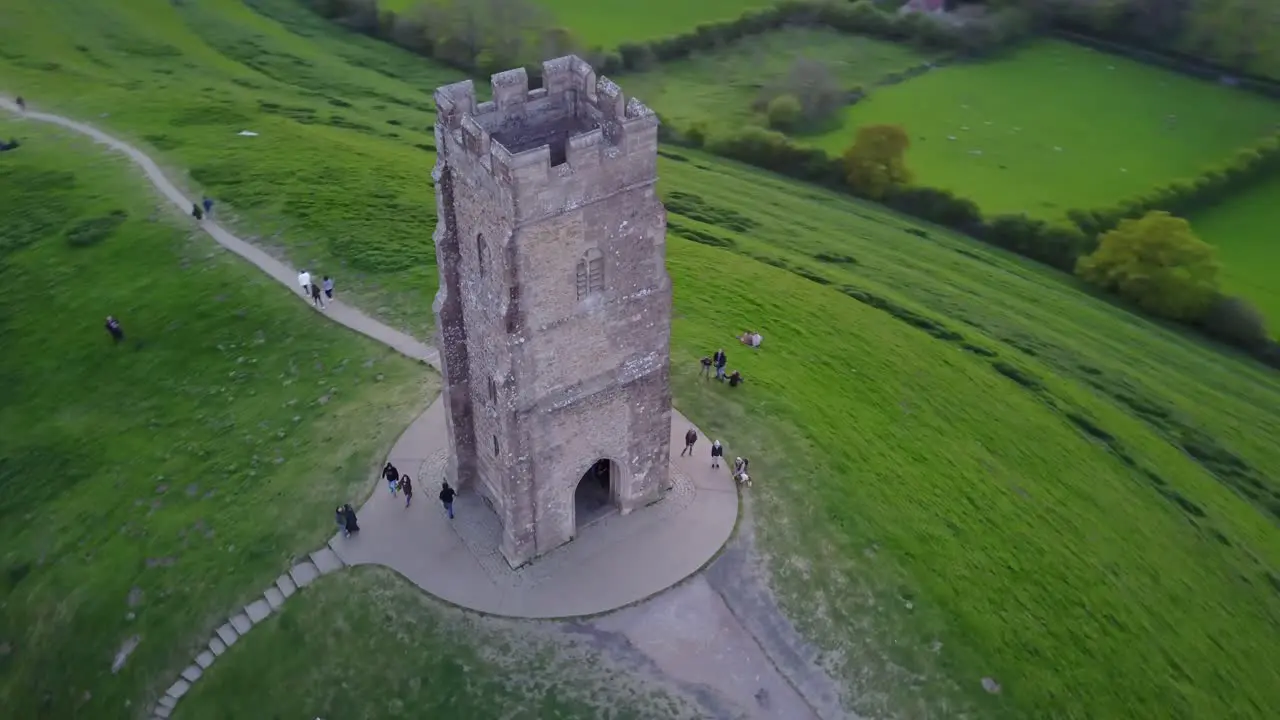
[
  {"x": 812, "y": 85},
  {"x": 784, "y": 112},
  {"x": 876, "y": 162},
  {"x": 1157, "y": 262}
]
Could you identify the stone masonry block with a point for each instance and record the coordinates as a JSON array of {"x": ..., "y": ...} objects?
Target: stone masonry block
[
  {"x": 285, "y": 583},
  {"x": 205, "y": 659},
  {"x": 274, "y": 597},
  {"x": 227, "y": 634},
  {"x": 241, "y": 623},
  {"x": 258, "y": 610},
  {"x": 303, "y": 574},
  {"x": 326, "y": 560},
  {"x": 192, "y": 673},
  {"x": 178, "y": 689}
]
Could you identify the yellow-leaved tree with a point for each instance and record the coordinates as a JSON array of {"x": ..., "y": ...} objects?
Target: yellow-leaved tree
[
  {"x": 1157, "y": 262},
  {"x": 876, "y": 162}
]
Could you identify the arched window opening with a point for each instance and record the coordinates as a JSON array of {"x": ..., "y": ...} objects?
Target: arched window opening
[
  {"x": 590, "y": 274},
  {"x": 482, "y": 253}
]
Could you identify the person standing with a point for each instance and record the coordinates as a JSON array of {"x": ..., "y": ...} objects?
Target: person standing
[
  {"x": 22, "y": 105},
  {"x": 315, "y": 297},
  {"x": 207, "y": 202},
  {"x": 392, "y": 476},
  {"x": 717, "y": 452},
  {"x": 406, "y": 487},
  {"x": 328, "y": 287},
  {"x": 350, "y": 514},
  {"x": 196, "y": 212},
  {"x": 340, "y": 517},
  {"x": 706, "y": 368},
  {"x": 690, "y": 438},
  {"x": 113, "y": 327},
  {"x": 446, "y": 498},
  {"x": 721, "y": 360},
  {"x": 304, "y": 281}
]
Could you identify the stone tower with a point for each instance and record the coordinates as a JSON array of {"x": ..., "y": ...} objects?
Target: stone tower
[{"x": 554, "y": 310}]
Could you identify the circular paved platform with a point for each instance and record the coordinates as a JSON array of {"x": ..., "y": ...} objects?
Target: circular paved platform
[{"x": 613, "y": 562}]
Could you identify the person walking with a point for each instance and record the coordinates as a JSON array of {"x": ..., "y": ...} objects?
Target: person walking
[
  {"x": 721, "y": 360},
  {"x": 406, "y": 487},
  {"x": 690, "y": 438},
  {"x": 706, "y": 368},
  {"x": 113, "y": 327},
  {"x": 328, "y": 287},
  {"x": 350, "y": 514},
  {"x": 340, "y": 517},
  {"x": 446, "y": 498},
  {"x": 392, "y": 476},
  {"x": 196, "y": 212},
  {"x": 315, "y": 297},
  {"x": 717, "y": 452},
  {"x": 207, "y": 202},
  {"x": 304, "y": 281},
  {"x": 22, "y": 104}
]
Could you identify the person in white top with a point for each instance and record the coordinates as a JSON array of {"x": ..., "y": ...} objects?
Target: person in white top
[{"x": 304, "y": 281}]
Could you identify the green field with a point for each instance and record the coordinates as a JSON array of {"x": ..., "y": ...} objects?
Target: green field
[
  {"x": 609, "y": 23},
  {"x": 719, "y": 89},
  {"x": 1244, "y": 229},
  {"x": 967, "y": 466},
  {"x": 1058, "y": 126},
  {"x": 150, "y": 487}
]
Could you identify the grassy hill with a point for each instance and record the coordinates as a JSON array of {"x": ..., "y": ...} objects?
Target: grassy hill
[{"x": 967, "y": 466}]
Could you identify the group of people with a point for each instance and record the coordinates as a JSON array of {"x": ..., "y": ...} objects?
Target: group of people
[
  {"x": 313, "y": 290},
  {"x": 397, "y": 481},
  {"x": 720, "y": 361},
  {"x": 202, "y": 209},
  {"x": 740, "y": 475}
]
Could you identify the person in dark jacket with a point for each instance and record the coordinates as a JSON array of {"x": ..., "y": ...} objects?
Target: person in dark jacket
[
  {"x": 392, "y": 476},
  {"x": 446, "y": 498},
  {"x": 207, "y": 202},
  {"x": 406, "y": 487},
  {"x": 113, "y": 327},
  {"x": 340, "y": 517},
  {"x": 735, "y": 379},
  {"x": 350, "y": 513},
  {"x": 717, "y": 452},
  {"x": 196, "y": 212},
  {"x": 706, "y": 367},
  {"x": 721, "y": 360},
  {"x": 690, "y": 438}
]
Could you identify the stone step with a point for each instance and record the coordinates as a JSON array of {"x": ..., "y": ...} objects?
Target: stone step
[
  {"x": 241, "y": 623},
  {"x": 217, "y": 646},
  {"x": 258, "y": 610},
  {"x": 285, "y": 583},
  {"x": 304, "y": 573},
  {"x": 274, "y": 597},
  {"x": 227, "y": 634},
  {"x": 205, "y": 659},
  {"x": 178, "y": 689},
  {"x": 326, "y": 560},
  {"x": 192, "y": 673}
]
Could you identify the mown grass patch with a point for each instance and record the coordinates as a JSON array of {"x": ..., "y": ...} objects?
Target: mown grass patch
[
  {"x": 1244, "y": 230},
  {"x": 148, "y": 487},
  {"x": 721, "y": 89},
  {"x": 1058, "y": 126},
  {"x": 367, "y": 643}
]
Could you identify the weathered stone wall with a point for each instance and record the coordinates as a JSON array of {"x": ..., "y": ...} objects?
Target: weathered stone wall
[{"x": 551, "y": 381}]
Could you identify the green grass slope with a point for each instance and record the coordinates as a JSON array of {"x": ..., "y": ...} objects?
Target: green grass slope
[
  {"x": 966, "y": 466},
  {"x": 1058, "y": 126},
  {"x": 386, "y": 643},
  {"x": 147, "y": 488}
]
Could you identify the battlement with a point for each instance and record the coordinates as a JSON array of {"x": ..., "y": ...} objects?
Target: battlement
[{"x": 574, "y": 123}]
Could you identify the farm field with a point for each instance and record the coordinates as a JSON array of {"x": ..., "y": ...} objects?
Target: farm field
[
  {"x": 609, "y": 23},
  {"x": 719, "y": 89},
  {"x": 1058, "y": 126},
  {"x": 1244, "y": 230},
  {"x": 968, "y": 466}
]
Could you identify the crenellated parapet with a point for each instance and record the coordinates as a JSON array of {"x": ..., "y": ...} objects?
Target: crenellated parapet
[{"x": 576, "y": 129}]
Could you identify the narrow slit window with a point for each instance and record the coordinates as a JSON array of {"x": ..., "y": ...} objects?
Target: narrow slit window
[
  {"x": 493, "y": 391},
  {"x": 495, "y": 446},
  {"x": 482, "y": 253},
  {"x": 589, "y": 278}
]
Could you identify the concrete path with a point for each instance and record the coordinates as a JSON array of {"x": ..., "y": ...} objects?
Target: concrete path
[
  {"x": 615, "y": 561},
  {"x": 336, "y": 310}
]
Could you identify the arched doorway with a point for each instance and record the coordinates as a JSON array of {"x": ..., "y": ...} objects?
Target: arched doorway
[{"x": 596, "y": 494}]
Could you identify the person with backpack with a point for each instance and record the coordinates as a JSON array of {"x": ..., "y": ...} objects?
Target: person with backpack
[
  {"x": 690, "y": 438},
  {"x": 392, "y": 476}
]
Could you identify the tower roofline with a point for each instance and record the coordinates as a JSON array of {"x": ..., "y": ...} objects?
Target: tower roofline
[{"x": 576, "y": 121}]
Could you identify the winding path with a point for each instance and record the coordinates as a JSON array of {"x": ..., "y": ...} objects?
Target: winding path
[{"x": 673, "y": 539}]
